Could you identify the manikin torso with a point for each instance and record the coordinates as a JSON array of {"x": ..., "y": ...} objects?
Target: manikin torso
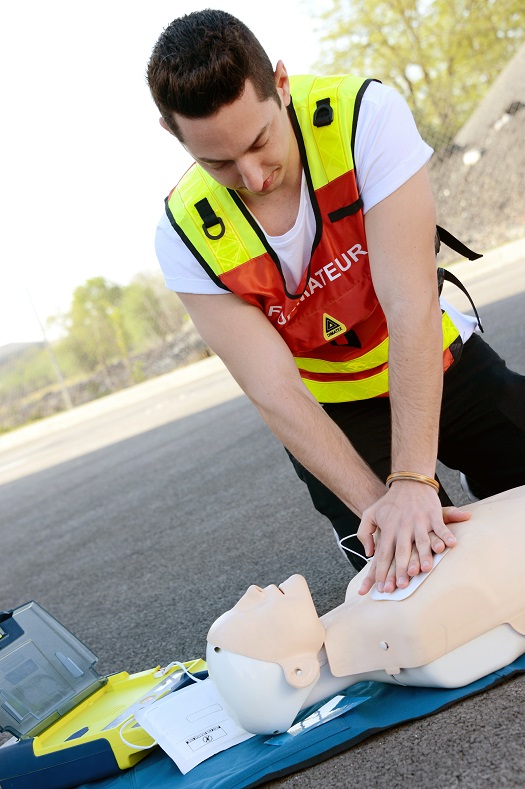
[{"x": 271, "y": 655}]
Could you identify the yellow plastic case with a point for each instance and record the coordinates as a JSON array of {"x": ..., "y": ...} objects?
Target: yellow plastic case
[
  {"x": 102, "y": 714},
  {"x": 71, "y": 724}
]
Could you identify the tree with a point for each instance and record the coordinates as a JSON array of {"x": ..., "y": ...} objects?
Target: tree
[
  {"x": 150, "y": 311},
  {"x": 440, "y": 54},
  {"x": 96, "y": 332},
  {"x": 25, "y": 371}
]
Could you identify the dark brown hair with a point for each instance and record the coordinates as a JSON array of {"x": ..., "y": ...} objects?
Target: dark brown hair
[{"x": 201, "y": 62}]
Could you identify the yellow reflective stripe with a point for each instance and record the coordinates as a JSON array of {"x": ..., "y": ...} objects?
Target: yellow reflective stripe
[
  {"x": 328, "y": 148},
  {"x": 235, "y": 247},
  {"x": 372, "y": 385},
  {"x": 450, "y": 332},
  {"x": 367, "y": 361},
  {"x": 370, "y": 360},
  {"x": 344, "y": 391}
]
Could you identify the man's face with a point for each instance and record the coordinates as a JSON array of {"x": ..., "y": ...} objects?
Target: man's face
[{"x": 246, "y": 145}]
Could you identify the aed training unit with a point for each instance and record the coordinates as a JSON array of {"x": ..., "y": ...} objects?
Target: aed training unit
[{"x": 70, "y": 725}]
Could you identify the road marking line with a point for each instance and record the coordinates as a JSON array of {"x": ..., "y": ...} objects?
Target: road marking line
[{"x": 14, "y": 464}]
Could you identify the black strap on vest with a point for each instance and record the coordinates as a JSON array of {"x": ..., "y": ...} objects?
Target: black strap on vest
[
  {"x": 445, "y": 275},
  {"x": 443, "y": 236},
  {"x": 210, "y": 219},
  {"x": 346, "y": 210},
  {"x": 324, "y": 114},
  {"x": 451, "y": 241}
]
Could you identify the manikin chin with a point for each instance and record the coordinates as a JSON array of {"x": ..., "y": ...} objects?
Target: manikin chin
[{"x": 271, "y": 655}]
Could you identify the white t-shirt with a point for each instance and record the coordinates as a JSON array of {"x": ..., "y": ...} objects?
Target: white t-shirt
[{"x": 388, "y": 151}]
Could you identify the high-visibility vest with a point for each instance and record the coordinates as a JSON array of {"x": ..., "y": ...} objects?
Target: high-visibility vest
[{"x": 333, "y": 324}]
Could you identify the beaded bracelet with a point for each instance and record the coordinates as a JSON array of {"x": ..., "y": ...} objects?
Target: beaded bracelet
[{"x": 412, "y": 475}]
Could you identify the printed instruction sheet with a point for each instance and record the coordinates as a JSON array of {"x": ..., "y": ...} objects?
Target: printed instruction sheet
[{"x": 191, "y": 724}]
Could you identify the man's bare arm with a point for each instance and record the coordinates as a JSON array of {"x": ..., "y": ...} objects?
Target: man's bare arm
[
  {"x": 262, "y": 364},
  {"x": 400, "y": 234}
]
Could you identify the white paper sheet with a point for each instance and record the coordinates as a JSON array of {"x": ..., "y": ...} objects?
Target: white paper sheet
[
  {"x": 413, "y": 584},
  {"x": 191, "y": 724}
]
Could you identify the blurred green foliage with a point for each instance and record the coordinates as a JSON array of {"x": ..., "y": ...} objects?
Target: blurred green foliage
[
  {"x": 442, "y": 55},
  {"x": 107, "y": 326}
]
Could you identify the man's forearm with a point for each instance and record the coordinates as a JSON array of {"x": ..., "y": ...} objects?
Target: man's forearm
[
  {"x": 263, "y": 366},
  {"x": 416, "y": 383},
  {"x": 320, "y": 446}
]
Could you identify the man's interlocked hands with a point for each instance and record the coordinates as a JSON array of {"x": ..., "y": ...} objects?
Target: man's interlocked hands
[{"x": 401, "y": 531}]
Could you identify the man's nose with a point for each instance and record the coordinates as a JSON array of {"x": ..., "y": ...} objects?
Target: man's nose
[{"x": 251, "y": 174}]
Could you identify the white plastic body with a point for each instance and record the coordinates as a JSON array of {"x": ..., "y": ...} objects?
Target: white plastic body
[
  {"x": 479, "y": 657},
  {"x": 261, "y": 701},
  {"x": 255, "y": 692}
]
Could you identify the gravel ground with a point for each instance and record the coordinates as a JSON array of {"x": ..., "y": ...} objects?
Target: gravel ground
[{"x": 483, "y": 203}]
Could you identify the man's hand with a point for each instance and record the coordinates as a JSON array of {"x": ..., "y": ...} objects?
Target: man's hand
[{"x": 409, "y": 524}]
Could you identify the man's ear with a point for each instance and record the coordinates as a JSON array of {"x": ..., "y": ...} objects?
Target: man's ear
[
  {"x": 282, "y": 83},
  {"x": 164, "y": 125}
]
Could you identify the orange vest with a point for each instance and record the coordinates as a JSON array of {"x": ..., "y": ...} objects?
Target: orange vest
[{"x": 334, "y": 324}]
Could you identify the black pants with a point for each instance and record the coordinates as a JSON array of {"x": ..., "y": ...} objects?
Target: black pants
[{"x": 482, "y": 434}]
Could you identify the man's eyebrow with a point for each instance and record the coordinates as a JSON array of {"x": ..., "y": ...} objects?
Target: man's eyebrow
[{"x": 254, "y": 143}]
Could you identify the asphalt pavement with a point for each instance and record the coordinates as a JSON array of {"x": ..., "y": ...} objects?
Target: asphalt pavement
[{"x": 138, "y": 519}]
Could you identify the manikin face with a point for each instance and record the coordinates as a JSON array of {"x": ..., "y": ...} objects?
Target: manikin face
[
  {"x": 263, "y": 654},
  {"x": 266, "y": 603},
  {"x": 276, "y": 624},
  {"x": 248, "y": 145}
]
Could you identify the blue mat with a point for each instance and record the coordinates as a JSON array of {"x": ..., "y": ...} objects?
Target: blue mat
[{"x": 255, "y": 761}]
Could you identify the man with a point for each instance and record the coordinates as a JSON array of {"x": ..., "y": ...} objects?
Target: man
[{"x": 302, "y": 245}]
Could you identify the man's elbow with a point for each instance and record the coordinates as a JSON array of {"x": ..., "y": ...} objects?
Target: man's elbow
[{"x": 277, "y": 397}]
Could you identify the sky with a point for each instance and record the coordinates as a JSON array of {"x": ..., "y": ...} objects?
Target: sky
[{"x": 84, "y": 163}]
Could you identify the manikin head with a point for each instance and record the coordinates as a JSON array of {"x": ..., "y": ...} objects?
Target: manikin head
[
  {"x": 263, "y": 654},
  {"x": 218, "y": 93}
]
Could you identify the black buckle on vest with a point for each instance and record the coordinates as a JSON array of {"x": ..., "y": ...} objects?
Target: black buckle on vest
[
  {"x": 324, "y": 114},
  {"x": 210, "y": 219}
]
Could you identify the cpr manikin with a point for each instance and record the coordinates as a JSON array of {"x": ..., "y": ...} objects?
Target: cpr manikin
[{"x": 271, "y": 655}]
